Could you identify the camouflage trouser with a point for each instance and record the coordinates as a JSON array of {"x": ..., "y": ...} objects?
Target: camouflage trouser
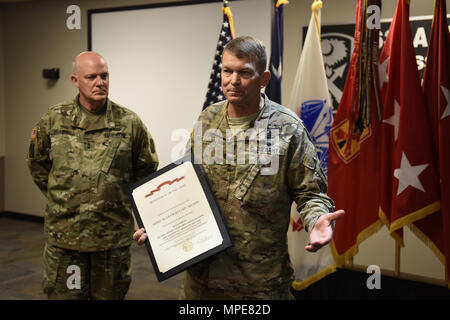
[
  {"x": 194, "y": 290},
  {"x": 78, "y": 275}
]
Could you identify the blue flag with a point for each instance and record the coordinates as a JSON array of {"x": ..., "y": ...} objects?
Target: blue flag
[
  {"x": 273, "y": 89},
  {"x": 214, "y": 93}
]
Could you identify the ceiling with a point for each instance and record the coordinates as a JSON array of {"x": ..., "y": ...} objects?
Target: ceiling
[{"x": 12, "y": 1}]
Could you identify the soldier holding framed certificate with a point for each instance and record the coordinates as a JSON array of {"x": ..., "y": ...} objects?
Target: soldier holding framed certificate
[{"x": 258, "y": 158}]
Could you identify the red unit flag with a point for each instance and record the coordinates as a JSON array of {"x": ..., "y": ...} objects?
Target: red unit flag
[
  {"x": 435, "y": 229},
  {"x": 353, "y": 165}
]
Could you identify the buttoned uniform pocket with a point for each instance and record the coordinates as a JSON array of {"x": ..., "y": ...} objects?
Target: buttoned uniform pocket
[
  {"x": 315, "y": 173},
  {"x": 255, "y": 225},
  {"x": 65, "y": 161},
  {"x": 115, "y": 175},
  {"x": 63, "y": 150},
  {"x": 218, "y": 178},
  {"x": 257, "y": 192},
  {"x": 116, "y": 166},
  {"x": 310, "y": 159},
  {"x": 65, "y": 170},
  {"x": 245, "y": 184}
]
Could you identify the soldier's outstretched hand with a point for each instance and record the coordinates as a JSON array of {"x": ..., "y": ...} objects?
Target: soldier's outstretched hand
[{"x": 322, "y": 232}]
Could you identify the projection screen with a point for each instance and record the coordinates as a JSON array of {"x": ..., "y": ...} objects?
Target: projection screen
[{"x": 160, "y": 59}]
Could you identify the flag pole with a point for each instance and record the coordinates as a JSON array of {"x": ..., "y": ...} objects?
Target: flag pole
[
  {"x": 397, "y": 259},
  {"x": 446, "y": 275},
  {"x": 227, "y": 11},
  {"x": 349, "y": 262}
]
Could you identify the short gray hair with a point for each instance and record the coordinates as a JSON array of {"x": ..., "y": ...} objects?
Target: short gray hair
[{"x": 251, "y": 48}]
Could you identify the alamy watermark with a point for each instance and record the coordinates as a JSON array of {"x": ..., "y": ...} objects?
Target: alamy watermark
[
  {"x": 373, "y": 281},
  {"x": 373, "y": 21},
  {"x": 74, "y": 280},
  {"x": 74, "y": 20}
]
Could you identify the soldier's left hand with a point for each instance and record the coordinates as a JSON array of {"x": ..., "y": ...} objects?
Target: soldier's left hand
[
  {"x": 322, "y": 232},
  {"x": 140, "y": 236}
]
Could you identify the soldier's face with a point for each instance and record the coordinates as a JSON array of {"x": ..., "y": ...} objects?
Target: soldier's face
[
  {"x": 92, "y": 79},
  {"x": 241, "y": 81}
]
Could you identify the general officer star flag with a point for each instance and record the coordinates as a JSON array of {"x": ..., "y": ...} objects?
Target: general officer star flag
[
  {"x": 434, "y": 229},
  {"x": 409, "y": 181}
]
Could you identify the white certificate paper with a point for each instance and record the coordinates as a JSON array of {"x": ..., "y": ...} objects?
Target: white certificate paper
[{"x": 177, "y": 217}]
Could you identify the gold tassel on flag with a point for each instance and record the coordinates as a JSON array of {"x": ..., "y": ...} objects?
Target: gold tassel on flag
[{"x": 227, "y": 11}]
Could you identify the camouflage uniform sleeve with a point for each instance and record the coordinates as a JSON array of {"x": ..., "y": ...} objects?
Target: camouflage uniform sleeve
[
  {"x": 145, "y": 159},
  {"x": 307, "y": 181},
  {"x": 38, "y": 156},
  {"x": 190, "y": 144}
]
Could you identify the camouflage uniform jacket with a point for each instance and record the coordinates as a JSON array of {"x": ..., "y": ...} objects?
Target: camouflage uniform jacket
[
  {"x": 256, "y": 207},
  {"x": 83, "y": 170}
]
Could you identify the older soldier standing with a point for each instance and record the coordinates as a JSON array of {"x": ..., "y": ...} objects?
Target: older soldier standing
[
  {"x": 255, "y": 200},
  {"x": 82, "y": 156}
]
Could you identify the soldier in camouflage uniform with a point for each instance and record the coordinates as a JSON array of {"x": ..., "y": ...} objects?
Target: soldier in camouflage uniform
[
  {"x": 255, "y": 199},
  {"x": 82, "y": 155}
]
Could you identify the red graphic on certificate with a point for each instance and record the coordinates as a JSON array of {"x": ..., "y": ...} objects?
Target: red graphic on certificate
[{"x": 158, "y": 188}]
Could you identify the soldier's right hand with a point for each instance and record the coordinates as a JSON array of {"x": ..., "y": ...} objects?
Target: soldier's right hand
[{"x": 140, "y": 236}]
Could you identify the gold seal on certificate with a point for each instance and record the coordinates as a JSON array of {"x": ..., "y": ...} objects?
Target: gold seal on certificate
[{"x": 181, "y": 218}]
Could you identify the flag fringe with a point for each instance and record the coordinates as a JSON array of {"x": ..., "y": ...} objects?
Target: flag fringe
[
  {"x": 430, "y": 244},
  {"x": 407, "y": 220},
  {"x": 300, "y": 285},
  {"x": 414, "y": 216},
  {"x": 341, "y": 259},
  {"x": 397, "y": 237}
]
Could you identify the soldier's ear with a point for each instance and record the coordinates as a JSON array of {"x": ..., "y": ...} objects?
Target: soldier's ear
[
  {"x": 74, "y": 79},
  {"x": 265, "y": 77}
]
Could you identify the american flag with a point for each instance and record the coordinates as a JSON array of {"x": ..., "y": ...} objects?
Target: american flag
[{"x": 214, "y": 93}]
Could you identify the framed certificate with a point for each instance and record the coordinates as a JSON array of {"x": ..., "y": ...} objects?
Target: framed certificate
[{"x": 179, "y": 213}]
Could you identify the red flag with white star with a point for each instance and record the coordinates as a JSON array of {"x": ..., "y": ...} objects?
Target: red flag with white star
[
  {"x": 435, "y": 229},
  {"x": 409, "y": 179}
]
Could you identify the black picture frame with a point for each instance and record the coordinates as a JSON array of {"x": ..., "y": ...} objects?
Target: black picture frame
[{"x": 227, "y": 243}]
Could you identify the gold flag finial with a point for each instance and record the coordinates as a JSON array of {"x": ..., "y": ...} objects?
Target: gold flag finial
[
  {"x": 280, "y": 2},
  {"x": 227, "y": 11},
  {"x": 316, "y": 6}
]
